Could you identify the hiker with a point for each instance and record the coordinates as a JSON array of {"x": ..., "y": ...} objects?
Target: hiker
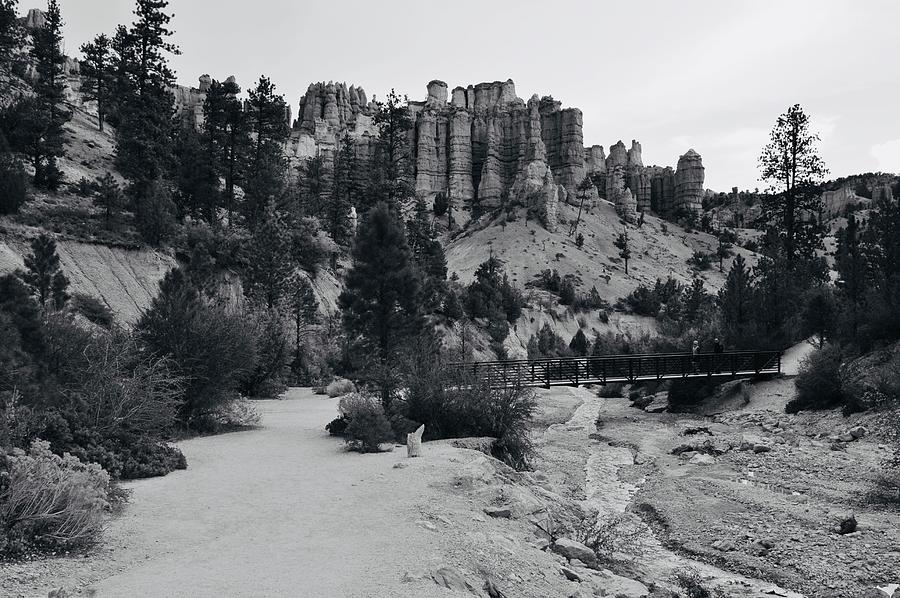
[
  {"x": 641, "y": 219},
  {"x": 718, "y": 349},
  {"x": 695, "y": 356}
]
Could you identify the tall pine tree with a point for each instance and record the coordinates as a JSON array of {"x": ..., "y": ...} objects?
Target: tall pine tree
[
  {"x": 267, "y": 278},
  {"x": 50, "y": 89},
  {"x": 381, "y": 303},
  {"x": 227, "y": 129},
  {"x": 392, "y": 175},
  {"x": 267, "y": 166},
  {"x": 96, "y": 70}
]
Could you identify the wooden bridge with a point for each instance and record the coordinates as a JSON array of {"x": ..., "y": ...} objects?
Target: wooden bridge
[{"x": 574, "y": 371}]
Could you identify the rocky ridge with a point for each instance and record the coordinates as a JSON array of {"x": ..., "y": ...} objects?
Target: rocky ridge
[{"x": 487, "y": 149}]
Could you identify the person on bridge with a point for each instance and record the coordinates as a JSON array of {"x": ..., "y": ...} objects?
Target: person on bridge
[
  {"x": 695, "y": 356},
  {"x": 718, "y": 349}
]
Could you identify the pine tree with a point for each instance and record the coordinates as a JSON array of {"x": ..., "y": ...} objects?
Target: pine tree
[
  {"x": 227, "y": 129},
  {"x": 736, "y": 303},
  {"x": 49, "y": 89},
  {"x": 13, "y": 182},
  {"x": 196, "y": 176},
  {"x": 392, "y": 176},
  {"x": 381, "y": 303},
  {"x": 579, "y": 344},
  {"x": 267, "y": 278},
  {"x": 109, "y": 197},
  {"x": 337, "y": 211},
  {"x": 43, "y": 273},
  {"x": 10, "y": 30},
  {"x": 267, "y": 165},
  {"x": 144, "y": 137},
  {"x": 723, "y": 250},
  {"x": 95, "y": 68},
  {"x": 303, "y": 308},
  {"x": 791, "y": 165},
  {"x": 852, "y": 265},
  {"x": 621, "y": 243},
  {"x": 314, "y": 183},
  {"x": 154, "y": 210}
]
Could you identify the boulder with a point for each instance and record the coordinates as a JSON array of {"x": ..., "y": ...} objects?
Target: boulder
[
  {"x": 857, "y": 431},
  {"x": 702, "y": 459},
  {"x": 658, "y": 403},
  {"x": 847, "y": 525},
  {"x": 610, "y": 584},
  {"x": 503, "y": 512},
  {"x": 761, "y": 448},
  {"x": 574, "y": 550},
  {"x": 450, "y": 578}
]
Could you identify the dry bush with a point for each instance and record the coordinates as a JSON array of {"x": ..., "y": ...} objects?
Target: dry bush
[
  {"x": 367, "y": 425},
  {"x": 50, "y": 501},
  {"x": 692, "y": 584},
  {"x": 339, "y": 388},
  {"x": 612, "y": 537}
]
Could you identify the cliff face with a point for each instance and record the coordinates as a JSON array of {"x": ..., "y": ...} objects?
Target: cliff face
[{"x": 486, "y": 149}]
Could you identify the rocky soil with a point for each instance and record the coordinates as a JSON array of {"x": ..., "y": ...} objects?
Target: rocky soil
[{"x": 762, "y": 493}]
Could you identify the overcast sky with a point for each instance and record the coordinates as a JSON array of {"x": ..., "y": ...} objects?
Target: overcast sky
[{"x": 712, "y": 75}]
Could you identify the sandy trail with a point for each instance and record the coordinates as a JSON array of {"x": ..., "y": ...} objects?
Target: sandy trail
[{"x": 279, "y": 511}]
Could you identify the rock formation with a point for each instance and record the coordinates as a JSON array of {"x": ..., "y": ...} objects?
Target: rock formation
[
  {"x": 689, "y": 178},
  {"x": 626, "y": 206},
  {"x": 882, "y": 191},
  {"x": 486, "y": 149}
]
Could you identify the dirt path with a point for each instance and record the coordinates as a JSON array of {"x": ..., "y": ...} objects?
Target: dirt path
[{"x": 279, "y": 511}]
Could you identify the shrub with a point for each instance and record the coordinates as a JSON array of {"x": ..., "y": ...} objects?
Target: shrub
[
  {"x": 460, "y": 408},
  {"x": 48, "y": 501},
  {"x": 612, "y": 536},
  {"x": 337, "y": 426},
  {"x": 367, "y": 425},
  {"x": 700, "y": 260},
  {"x": 687, "y": 393},
  {"x": 208, "y": 344},
  {"x": 818, "y": 383},
  {"x": 13, "y": 184},
  {"x": 271, "y": 354},
  {"x": 611, "y": 391},
  {"x": 692, "y": 584},
  {"x": 339, "y": 388},
  {"x": 93, "y": 310}
]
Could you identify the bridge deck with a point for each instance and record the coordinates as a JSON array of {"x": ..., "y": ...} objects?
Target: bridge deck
[{"x": 574, "y": 371}]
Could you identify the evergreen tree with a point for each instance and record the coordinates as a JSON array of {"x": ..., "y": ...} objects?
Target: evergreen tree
[
  {"x": 337, "y": 211},
  {"x": 314, "y": 183},
  {"x": 579, "y": 344},
  {"x": 621, "y": 243},
  {"x": 267, "y": 278},
  {"x": 196, "y": 178},
  {"x": 95, "y": 68},
  {"x": 723, "y": 249},
  {"x": 48, "y": 122},
  {"x": 154, "y": 210},
  {"x": 791, "y": 165},
  {"x": 109, "y": 197},
  {"x": 227, "y": 129},
  {"x": 736, "y": 304},
  {"x": 43, "y": 273},
  {"x": 441, "y": 204},
  {"x": 304, "y": 310},
  {"x": 144, "y": 137},
  {"x": 10, "y": 30},
  {"x": 13, "y": 183},
  {"x": 392, "y": 176},
  {"x": 819, "y": 315},
  {"x": 381, "y": 303},
  {"x": 851, "y": 264},
  {"x": 882, "y": 251},
  {"x": 267, "y": 165}
]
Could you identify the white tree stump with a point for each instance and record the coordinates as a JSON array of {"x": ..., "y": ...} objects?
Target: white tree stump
[{"x": 414, "y": 442}]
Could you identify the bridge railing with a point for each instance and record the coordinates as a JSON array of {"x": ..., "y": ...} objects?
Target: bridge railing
[{"x": 621, "y": 368}]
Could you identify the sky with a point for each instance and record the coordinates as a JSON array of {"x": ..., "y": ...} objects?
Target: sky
[{"x": 712, "y": 75}]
